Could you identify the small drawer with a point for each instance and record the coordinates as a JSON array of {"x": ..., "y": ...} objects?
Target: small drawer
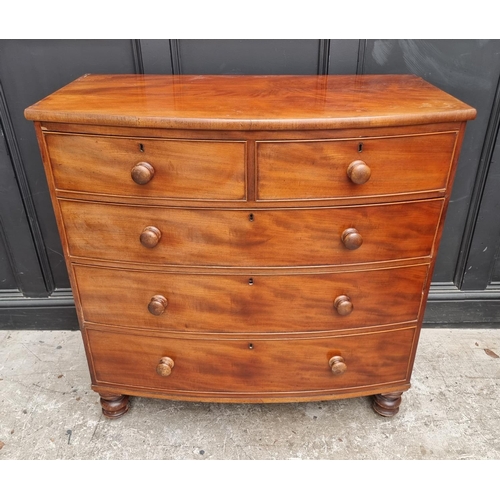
[
  {"x": 249, "y": 302},
  {"x": 246, "y": 238},
  {"x": 304, "y": 170},
  {"x": 251, "y": 366},
  {"x": 157, "y": 168}
]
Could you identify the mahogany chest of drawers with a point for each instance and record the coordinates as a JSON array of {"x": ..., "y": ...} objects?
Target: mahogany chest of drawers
[{"x": 250, "y": 238}]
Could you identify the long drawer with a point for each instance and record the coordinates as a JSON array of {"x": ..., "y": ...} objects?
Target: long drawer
[
  {"x": 181, "y": 169},
  {"x": 318, "y": 169},
  {"x": 249, "y": 303},
  {"x": 251, "y": 365},
  {"x": 245, "y": 238}
]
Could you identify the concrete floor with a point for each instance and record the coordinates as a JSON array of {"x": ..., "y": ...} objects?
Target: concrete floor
[{"x": 48, "y": 411}]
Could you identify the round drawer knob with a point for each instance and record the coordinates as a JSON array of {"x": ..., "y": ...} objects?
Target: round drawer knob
[
  {"x": 359, "y": 172},
  {"x": 351, "y": 239},
  {"x": 150, "y": 236},
  {"x": 343, "y": 305},
  {"x": 142, "y": 173},
  {"x": 165, "y": 366},
  {"x": 157, "y": 305},
  {"x": 337, "y": 365}
]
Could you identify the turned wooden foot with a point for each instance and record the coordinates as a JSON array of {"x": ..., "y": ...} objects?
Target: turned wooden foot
[
  {"x": 387, "y": 405},
  {"x": 114, "y": 405}
]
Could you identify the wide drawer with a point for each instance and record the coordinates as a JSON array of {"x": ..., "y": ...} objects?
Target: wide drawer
[
  {"x": 318, "y": 169},
  {"x": 252, "y": 365},
  {"x": 244, "y": 238},
  {"x": 182, "y": 169},
  {"x": 249, "y": 303}
]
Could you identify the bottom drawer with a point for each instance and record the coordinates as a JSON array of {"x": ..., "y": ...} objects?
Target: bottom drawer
[{"x": 252, "y": 366}]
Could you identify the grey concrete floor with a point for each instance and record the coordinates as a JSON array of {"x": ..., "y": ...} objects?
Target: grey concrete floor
[{"x": 48, "y": 411}]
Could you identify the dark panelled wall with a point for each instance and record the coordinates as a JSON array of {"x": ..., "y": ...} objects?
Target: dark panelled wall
[{"x": 34, "y": 287}]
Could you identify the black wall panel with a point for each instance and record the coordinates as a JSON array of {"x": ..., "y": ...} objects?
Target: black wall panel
[
  {"x": 30, "y": 70},
  {"x": 7, "y": 278},
  {"x": 495, "y": 275},
  {"x": 250, "y": 57},
  {"x": 485, "y": 242},
  {"x": 468, "y": 70},
  {"x": 34, "y": 288}
]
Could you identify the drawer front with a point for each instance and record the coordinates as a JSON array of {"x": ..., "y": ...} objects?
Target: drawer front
[
  {"x": 181, "y": 169},
  {"x": 318, "y": 169},
  {"x": 252, "y": 365},
  {"x": 247, "y": 238},
  {"x": 249, "y": 303}
]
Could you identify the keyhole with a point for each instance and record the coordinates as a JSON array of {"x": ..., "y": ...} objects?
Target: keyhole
[
  {"x": 141, "y": 148},
  {"x": 250, "y": 281},
  {"x": 360, "y": 147},
  {"x": 250, "y": 217},
  {"x": 250, "y": 346}
]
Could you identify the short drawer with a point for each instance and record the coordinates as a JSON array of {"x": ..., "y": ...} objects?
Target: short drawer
[
  {"x": 181, "y": 169},
  {"x": 251, "y": 366},
  {"x": 304, "y": 170},
  {"x": 249, "y": 302},
  {"x": 245, "y": 238}
]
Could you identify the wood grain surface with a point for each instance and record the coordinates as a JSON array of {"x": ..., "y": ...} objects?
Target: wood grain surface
[
  {"x": 250, "y": 303},
  {"x": 182, "y": 169},
  {"x": 246, "y": 238},
  {"x": 194, "y": 209},
  {"x": 236, "y": 102},
  {"x": 318, "y": 169},
  {"x": 251, "y": 366}
]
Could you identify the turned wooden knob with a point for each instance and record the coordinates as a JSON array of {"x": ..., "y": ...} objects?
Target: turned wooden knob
[
  {"x": 343, "y": 305},
  {"x": 351, "y": 239},
  {"x": 359, "y": 172},
  {"x": 337, "y": 365},
  {"x": 150, "y": 236},
  {"x": 165, "y": 366},
  {"x": 142, "y": 173},
  {"x": 157, "y": 305}
]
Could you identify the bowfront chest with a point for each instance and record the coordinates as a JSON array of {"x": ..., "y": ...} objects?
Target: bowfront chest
[{"x": 250, "y": 238}]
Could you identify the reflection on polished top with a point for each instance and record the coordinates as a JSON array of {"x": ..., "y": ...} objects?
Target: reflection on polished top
[{"x": 238, "y": 102}]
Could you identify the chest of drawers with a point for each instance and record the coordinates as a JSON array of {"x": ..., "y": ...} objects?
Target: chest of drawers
[{"x": 250, "y": 239}]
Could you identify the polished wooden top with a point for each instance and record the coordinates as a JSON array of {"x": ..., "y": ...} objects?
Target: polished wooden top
[{"x": 238, "y": 102}]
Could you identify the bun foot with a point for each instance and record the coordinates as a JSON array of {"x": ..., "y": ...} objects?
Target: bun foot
[
  {"x": 387, "y": 405},
  {"x": 114, "y": 405}
]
